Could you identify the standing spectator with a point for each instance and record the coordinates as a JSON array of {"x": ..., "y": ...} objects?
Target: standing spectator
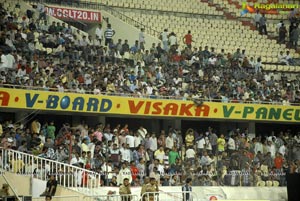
[
  {"x": 42, "y": 11},
  {"x": 164, "y": 37},
  {"x": 213, "y": 138},
  {"x": 124, "y": 173},
  {"x": 257, "y": 17},
  {"x": 231, "y": 145},
  {"x": 99, "y": 33},
  {"x": 170, "y": 141},
  {"x": 189, "y": 138},
  {"x": 221, "y": 144},
  {"x": 108, "y": 34},
  {"x": 51, "y": 131},
  {"x": 172, "y": 40},
  {"x": 282, "y": 34},
  {"x": 187, "y": 190},
  {"x": 295, "y": 36},
  {"x": 50, "y": 186},
  {"x": 263, "y": 25},
  {"x": 142, "y": 39},
  {"x": 187, "y": 39},
  {"x": 173, "y": 155}
]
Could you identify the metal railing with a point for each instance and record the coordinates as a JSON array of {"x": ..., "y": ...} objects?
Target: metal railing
[
  {"x": 58, "y": 198},
  {"x": 111, "y": 198},
  {"x": 169, "y": 196},
  {"x": 68, "y": 176}
]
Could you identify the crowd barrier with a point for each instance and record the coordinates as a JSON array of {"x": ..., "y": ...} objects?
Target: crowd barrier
[
  {"x": 59, "y": 198},
  {"x": 111, "y": 198},
  {"x": 169, "y": 195},
  {"x": 40, "y": 168}
]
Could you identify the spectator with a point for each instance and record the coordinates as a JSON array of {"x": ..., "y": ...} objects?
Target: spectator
[
  {"x": 108, "y": 35},
  {"x": 50, "y": 187},
  {"x": 257, "y": 17},
  {"x": 263, "y": 25},
  {"x": 125, "y": 191},
  {"x": 142, "y": 39},
  {"x": 5, "y": 190},
  {"x": 282, "y": 34}
]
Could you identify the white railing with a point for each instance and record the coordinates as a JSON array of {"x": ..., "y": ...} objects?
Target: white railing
[
  {"x": 58, "y": 198},
  {"x": 112, "y": 198},
  {"x": 169, "y": 196},
  {"x": 67, "y": 175}
]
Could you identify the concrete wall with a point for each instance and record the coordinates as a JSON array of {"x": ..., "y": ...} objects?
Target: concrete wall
[{"x": 21, "y": 184}]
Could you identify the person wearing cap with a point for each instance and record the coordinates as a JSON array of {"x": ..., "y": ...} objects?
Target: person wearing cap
[{"x": 5, "y": 190}]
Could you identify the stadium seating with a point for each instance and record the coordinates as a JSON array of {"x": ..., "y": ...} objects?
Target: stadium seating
[{"x": 228, "y": 35}]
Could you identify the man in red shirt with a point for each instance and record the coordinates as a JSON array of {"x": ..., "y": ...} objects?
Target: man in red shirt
[
  {"x": 187, "y": 39},
  {"x": 278, "y": 161},
  {"x": 134, "y": 170}
]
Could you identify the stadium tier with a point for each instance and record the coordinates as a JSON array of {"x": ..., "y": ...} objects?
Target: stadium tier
[{"x": 204, "y": 99}]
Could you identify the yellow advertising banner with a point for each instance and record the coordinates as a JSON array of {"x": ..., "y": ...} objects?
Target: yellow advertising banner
[{"x": 101, "y": 104}]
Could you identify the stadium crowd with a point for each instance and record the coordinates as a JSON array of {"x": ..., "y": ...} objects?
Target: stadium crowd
[
  {"x": 56, "y": 57},
  {"x": 119, "y": 152},
  {"x": 59, "y": 58}
]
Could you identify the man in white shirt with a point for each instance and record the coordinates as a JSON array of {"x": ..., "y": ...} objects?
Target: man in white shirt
[
  {"x": 10, "y": 61},
  {"x": 282, "y": 58},
  {"x": 107, "y": 170},
  {"x": 125, "y": 154},
  {"x": 172, "y": 39},
  {"x": 200, "y": 145},
  {"x": 257, "y": 17},
  {"x": 130, "y": 141},
  {"x": 271, "y": 149},
  {"x": 231, "y": 145},
  {"x": 153, "y": 143},
  {"x": 165, "y": 40},
  {"x": 142, "y": 39},
  {"x": 282, "y": 150},
  {"x": 124, "y": 173},
  {"x": 170, "y": 141},
  {"x": 3, "y": 62},
  {"x": 76, "y": 159},
  {"x": 190, "y": 154},
  {"x": 99, "y": 32},
  {"x": 137, "y": 139},
  {"x": 142, "y": 132},
  {"x": 258, "y": 147},
  {"x": 212, "y": 60}
]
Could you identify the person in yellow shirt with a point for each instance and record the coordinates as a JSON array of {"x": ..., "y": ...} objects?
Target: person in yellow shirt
[
  {"x": 221, "y": 143},
  {"x": 159, "y": 154},
  {"x": 17, "y": 165},
  {"x": 1, "y": 130},
  {"x": 189, "y": 138}
]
